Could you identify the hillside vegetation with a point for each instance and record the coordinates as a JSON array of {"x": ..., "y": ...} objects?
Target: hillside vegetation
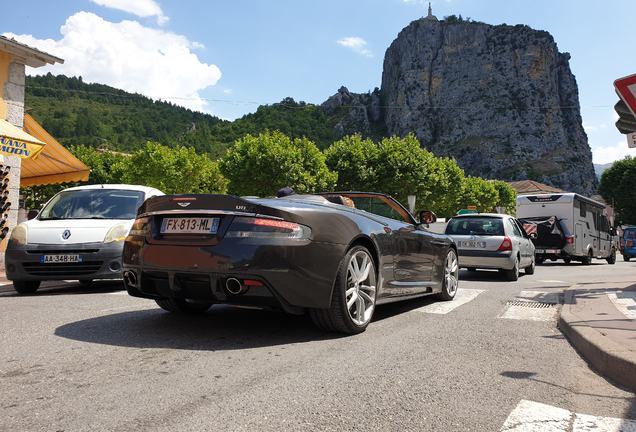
[{"x": 98, "y": 116}]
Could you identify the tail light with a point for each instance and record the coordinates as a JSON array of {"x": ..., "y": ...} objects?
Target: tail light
[
  {"x": 140, "y": 227},
  {"x": 569, "y": 240},
  {"x": 267, "y": 228},
  {"x": 506, "y": 244}
]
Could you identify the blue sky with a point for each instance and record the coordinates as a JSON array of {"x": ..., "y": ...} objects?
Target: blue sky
[{"x": 228, "y": 57}]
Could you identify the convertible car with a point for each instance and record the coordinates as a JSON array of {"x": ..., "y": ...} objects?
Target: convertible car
[{"x": 333, "y": 255}]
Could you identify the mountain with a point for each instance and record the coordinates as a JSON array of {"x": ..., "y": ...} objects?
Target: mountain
[
  {"x": 501, "y": 100},
  {"x": 599, "y": 168}
]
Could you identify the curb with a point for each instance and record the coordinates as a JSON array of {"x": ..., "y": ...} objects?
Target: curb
[{"x": 608, "y": 357}]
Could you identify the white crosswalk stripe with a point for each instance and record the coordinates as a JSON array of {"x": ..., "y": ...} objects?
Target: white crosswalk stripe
[
  {"x": 531, "y": 416},
  {"x": 463, "y": 296},
  {"x": 625, "y": 302}
]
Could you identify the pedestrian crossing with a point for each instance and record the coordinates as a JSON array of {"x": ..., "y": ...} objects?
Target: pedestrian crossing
[
  {"x": 531, "y": 416},
  {"x": 625, "y": 302}
]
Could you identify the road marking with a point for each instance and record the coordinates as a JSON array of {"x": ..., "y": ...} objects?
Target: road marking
[
  {"x": 625, "y": 302},
  {"x": 525, "y": 309},
  {"x": 553, "y": 281},
  {"x": 531, "y": 416},
  {"x": 463, "y": 296}
]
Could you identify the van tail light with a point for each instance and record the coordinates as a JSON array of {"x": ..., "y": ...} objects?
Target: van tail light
[
  {"x": 569, "y": 240},
  {"x": 506, "y": 244}
]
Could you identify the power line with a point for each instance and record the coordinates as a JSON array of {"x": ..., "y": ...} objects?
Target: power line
[{"x": 247, "y": 103}]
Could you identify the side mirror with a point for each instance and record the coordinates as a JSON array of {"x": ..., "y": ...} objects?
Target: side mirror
[
  {"x": 427, "y": 217},
  {"x": 534, "y": 236},
  {"x": 32, "y": 214}
]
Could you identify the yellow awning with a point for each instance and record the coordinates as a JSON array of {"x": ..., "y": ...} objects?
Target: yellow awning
[
  {"x": 15, "y": 142},
  {"x": 55, "y": 164}
]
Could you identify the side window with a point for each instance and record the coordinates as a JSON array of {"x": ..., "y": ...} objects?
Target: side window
[
  {"x": 583, "y": 211},
  {"x": 515, "y": 228}
]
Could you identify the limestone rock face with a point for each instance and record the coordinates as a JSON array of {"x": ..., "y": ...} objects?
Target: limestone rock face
[{"x": 501, "y": 100}]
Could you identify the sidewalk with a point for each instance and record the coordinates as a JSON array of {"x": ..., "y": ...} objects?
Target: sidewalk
[{"x": 599, "y": 319}]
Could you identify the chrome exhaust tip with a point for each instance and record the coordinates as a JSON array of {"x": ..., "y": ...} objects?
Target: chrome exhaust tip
[
  {"x": 131, "y": 278},
  {"x": 234, "y": 286}
]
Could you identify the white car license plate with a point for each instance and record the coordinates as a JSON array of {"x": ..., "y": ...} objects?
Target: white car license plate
[
  {"x": 61, "y": 259},
  {"x": 194, "y": 225},
  {"x": 472, "y": 244}
]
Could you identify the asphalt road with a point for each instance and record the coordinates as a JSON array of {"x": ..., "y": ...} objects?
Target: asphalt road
[{"x": 89, "y": 357}]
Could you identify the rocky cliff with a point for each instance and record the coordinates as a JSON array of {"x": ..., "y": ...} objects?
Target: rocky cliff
[{"x": 501, "y": 100}]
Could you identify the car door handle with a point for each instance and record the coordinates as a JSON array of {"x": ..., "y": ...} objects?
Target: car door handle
[{"x": 438, "y": 243}]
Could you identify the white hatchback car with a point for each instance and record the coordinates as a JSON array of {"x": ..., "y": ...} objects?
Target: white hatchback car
[
  {"x": 78, "y": 234},
  {"x": 492, "y": 241}
]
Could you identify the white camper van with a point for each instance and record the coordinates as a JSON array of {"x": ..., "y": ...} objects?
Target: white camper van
[{"x": 569, "y": 226}]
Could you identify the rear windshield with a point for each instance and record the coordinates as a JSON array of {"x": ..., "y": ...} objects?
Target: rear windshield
[
  {"x": 94, "y": 204},
  {"x": 473, "y": 225},
  {"x": 629, "y": 233}
]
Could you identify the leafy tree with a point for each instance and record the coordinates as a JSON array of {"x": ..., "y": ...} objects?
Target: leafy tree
[
  {"x": 507, "y": 196},
  {"x": 173, "y": 171},
  {"x": 478, "y": 192},
  {"x": 618, "y": 186},
  {"x": 262, "y": 165},
  {"x": 354, "y": 159}
]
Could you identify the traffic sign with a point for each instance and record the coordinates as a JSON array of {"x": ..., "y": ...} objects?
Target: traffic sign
[
  {"x": 626, "y": 89},
  {"x": 626, "y": 123}
]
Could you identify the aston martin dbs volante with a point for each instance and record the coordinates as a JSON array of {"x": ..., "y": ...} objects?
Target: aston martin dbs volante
[{"x": 333, "y": 255}]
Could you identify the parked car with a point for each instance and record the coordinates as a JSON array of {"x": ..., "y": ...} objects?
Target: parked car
[
  {"x": 628, "y": 243},
  {"x": 492, "y": 241},
  {"x": 78, "y": 234},
  {"x": 335, "y": 255}
]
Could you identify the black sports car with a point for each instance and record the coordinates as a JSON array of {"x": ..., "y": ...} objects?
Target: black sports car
[{"x": 335, "y": 255}]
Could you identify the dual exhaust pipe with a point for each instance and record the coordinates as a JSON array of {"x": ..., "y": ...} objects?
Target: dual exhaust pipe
[{"x": 232, "y": 285}]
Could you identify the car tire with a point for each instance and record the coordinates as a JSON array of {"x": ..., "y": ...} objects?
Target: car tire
[
  {"x": 530, "y": 269},
  {"x": 451, "y": 277},
  {"x": 611, "y": 259},
  {"x": 513, "y": 274},
  {"x": 567, "y": 260},
  {"x": 182, "y": 306},
  {"x": 539, "y": 261},
  {"x": 626, "y": 257},
  {"x": 26, "y": 287},
  {"x": 587, "y": 260},
  {"x": 354, "y": 294}
]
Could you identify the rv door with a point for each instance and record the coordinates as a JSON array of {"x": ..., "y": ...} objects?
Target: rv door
[{"x": 578, "y": 239}]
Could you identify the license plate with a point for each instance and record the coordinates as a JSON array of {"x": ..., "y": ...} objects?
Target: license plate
[
  {"x": 472, "y": 244},
  {"x": 60, "y": 259},
  {"x": 195, "y": 225}
]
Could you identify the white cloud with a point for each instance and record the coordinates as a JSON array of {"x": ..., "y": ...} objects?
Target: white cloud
[
  {"x": 604, "y": 155},
  {"x": 356, "y": 44},
  {"x": 141, "y": 8},
  {"x": 128, "y": 56}
]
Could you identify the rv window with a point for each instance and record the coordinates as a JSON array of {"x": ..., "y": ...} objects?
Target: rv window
[{"x": 583, "y": 210}]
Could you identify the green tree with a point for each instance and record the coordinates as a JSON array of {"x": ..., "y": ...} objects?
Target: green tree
[
  {"x": 354, "y": 160},
  {"x": 507, "y": 196},
  {"x": 262, "y": 165},
  {"x": 618, "y": 187},
  {"x": 173, "y": 171},
  {"x": 480, "y": 193}
]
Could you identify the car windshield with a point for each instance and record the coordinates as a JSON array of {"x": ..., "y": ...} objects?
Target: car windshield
[
  {"x": 484, "y": 226},
  {"x": 94, "y": 204}
]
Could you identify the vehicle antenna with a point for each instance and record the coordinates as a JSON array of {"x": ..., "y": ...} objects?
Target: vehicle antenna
[{"x": 99, "y": 178}]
